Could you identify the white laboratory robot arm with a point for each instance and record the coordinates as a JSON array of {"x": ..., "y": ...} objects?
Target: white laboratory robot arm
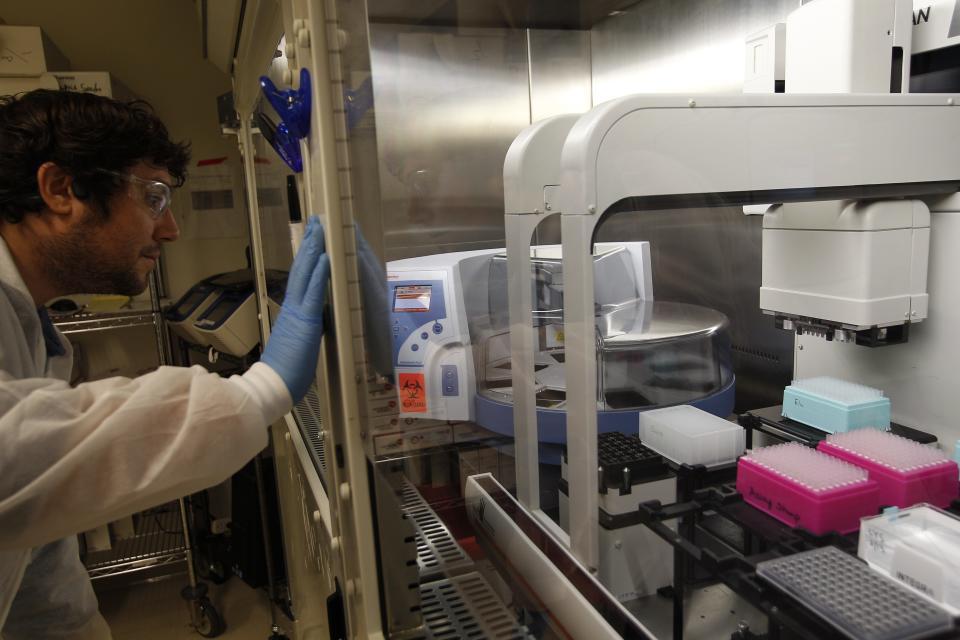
[
  {"x": 74, "y": 458},
  {"x": 662, "y": 152}
]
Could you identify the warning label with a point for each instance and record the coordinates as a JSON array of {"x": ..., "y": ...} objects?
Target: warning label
[{"x": 413, "y": 393}]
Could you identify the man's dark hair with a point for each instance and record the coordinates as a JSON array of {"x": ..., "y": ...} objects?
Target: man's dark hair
[{"x": 81, "y": 133}]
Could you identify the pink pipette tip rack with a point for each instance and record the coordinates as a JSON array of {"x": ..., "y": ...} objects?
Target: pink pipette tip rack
[
  {"x": 804, "y": 488},
  {"x": 906, "y": 472}
]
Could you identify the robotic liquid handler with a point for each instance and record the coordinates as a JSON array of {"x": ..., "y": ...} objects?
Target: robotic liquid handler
[{"x": 708, "y": 151}]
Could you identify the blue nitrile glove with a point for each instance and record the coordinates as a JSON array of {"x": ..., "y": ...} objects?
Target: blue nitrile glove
[
  {"x": 376, "y": 307},
  {"x": 294, "y": 343}
]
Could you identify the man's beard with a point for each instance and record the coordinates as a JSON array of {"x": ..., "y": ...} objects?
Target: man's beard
[{"x": 77, "y": 264}]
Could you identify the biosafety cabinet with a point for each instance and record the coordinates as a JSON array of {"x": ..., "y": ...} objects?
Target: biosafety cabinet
[{"x": 577, "y": 254}]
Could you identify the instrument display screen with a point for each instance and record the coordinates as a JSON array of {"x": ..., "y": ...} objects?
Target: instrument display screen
[{"x": 412, "y": 298}]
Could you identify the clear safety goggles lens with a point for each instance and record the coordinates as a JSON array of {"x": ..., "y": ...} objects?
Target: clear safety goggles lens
[{"x": 156, "y": 196}]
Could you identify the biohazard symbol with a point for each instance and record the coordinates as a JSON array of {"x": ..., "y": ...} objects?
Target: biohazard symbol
[
  {"x": 413, "y": 389},
  {"x": 413, "y": 393}
]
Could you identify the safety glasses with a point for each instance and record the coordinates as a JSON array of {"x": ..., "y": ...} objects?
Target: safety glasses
[{"x": 155, "y": 195}]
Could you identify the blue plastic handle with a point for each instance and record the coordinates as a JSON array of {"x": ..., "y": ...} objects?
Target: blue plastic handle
[
  {"x": 286, "y": 146},
  {"x": 292, "y": 105}
]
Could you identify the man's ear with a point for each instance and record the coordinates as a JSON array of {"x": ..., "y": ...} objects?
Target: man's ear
[{"x": 57, "y": 188}]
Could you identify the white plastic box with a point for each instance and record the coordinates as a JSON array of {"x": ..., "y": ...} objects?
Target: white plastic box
[
  {"x": 764, "y": 56},
  {"x": 687, "y": 435},
  {"x": 920, "y": 547},
  {"x": 845, "y": 46},
  {"x": 100, "y": 83},
  {"x": 96, "y": 82},
  {"x": 27, "y": 52},
  {"x": 12, "y": 85}
]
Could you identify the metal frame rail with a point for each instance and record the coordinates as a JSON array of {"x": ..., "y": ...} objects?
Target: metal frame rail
[{"x": 770, "y": 421}]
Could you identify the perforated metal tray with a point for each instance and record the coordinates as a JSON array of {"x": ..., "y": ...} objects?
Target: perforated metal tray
[
  {"x": 307, "y": 414},
  {"x": 466, "y": 608},
  {"x": 437, "y": 550}
]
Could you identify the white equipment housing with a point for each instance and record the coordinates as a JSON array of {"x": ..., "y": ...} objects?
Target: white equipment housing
[
  {"x": 634, "y": 561},
  {"x": 764, "y": 60},
  {"x": 221, "y": 311},
  {"x": 182, "y": 315},
  {"x": 919, "y": 377},
  {"x": 449, "y": 312},
  {"x": 849, "y": 46},
  {"x": 432, "y": 352},
  {"x": 230, "y": 324},
  {"x": 856, "y": 264},
  {"x": 936, "y": 25}
]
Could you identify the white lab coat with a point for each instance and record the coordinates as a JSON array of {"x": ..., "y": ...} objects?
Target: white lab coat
[{"x": 72, "y": 459}]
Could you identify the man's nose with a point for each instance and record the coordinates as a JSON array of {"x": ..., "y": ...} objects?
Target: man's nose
[{"x": 166, "y": 229}]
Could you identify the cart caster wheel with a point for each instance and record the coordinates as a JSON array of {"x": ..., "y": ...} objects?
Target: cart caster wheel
[
  {"x": 276, "y": 635},
  {"x": 213, "y": 571},
  {"x": 211, "y": 623}
]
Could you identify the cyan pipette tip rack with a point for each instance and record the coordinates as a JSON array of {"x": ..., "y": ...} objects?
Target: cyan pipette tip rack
[{"x": 836, "y": 406}]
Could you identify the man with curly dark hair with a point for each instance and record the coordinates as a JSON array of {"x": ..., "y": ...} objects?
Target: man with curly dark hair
[{"x": 85, "y": 189}]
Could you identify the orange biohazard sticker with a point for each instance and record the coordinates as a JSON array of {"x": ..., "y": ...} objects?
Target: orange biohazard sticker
[{"x": 413, "y": 393}]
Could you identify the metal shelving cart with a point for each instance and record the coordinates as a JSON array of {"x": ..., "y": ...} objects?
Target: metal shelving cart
[
  {"x": 157, "y": 541},
  {"x": 161, "y": 535}
]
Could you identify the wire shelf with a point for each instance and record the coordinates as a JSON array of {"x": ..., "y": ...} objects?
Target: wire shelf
[
  {"x": 466, "y": 608},
  {"x": 158, "y": 540},
  {"x": 90, "y": 322}
]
